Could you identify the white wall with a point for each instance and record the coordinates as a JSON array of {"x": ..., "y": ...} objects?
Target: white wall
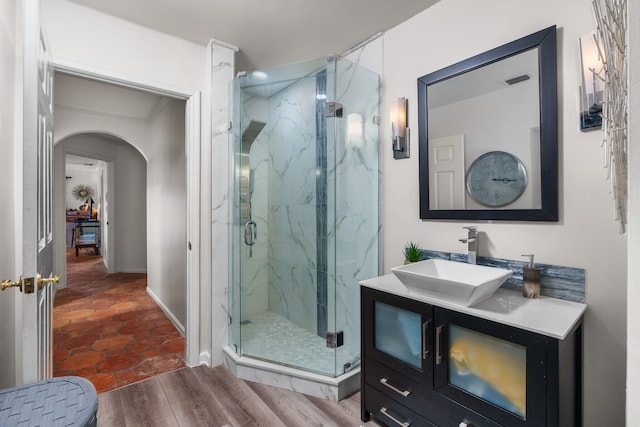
[
  {"x": 633, "y": 277},
  {"x": 85, "y": 36},
  {"x": 86, "y": 39},
  {"x": 166, "y": 210},
  {"x": 81, "y": 175},
  {"x": 7, "y": 219},
  {"x": 586, "y": 235}
]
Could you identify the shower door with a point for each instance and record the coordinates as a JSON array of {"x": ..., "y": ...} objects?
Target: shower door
[{"x": 290, "y": 154}]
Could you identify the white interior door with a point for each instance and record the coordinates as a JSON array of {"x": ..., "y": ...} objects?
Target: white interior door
[
  {"x": 447, "y": 176},
  {"x": 36, "y": 300}
]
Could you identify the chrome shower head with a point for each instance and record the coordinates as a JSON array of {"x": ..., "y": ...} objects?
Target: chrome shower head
[{"x": 250, "y": 134}]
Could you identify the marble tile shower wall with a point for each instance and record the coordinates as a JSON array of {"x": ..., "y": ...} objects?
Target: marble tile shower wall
[
  {"x": 255, "y": 277},
  {"x": 292, "y": 274},
  {"x": 355, "y": 177},
  {"x": 283, "y": 273}
]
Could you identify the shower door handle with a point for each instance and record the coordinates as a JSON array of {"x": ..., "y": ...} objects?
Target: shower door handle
[{"x": 250, "y": 233}]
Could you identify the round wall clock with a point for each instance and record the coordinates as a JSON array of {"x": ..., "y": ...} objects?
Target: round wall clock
[{"x": 496, "y": 179}]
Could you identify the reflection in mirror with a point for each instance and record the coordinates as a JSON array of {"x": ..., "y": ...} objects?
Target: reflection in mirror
[
  {"x": 500, "y": 104},
  {"x": 488, "y": 134}
]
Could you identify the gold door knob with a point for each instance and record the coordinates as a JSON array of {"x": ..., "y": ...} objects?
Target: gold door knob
[
  {"x": 55, "y": 279},
  {"x": 26, "y": 285},
  {"x": 10, "y": 284}
]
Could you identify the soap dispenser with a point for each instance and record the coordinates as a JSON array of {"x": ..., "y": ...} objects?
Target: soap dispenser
[{"x": 530, "y": 279}]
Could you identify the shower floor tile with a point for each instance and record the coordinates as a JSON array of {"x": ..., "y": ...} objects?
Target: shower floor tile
[{"x": 272, "y": 338}]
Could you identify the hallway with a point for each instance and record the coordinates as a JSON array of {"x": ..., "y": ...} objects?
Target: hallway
[{"x": 108, "y": 330}]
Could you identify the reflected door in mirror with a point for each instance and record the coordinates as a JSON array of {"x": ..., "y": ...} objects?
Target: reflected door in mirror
[{"x": 447, "y": 169}]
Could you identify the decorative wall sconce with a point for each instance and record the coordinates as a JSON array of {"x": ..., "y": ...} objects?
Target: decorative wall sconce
[
  {"x": 611, "y": 16},
  {"x": 400, "y": 130},
  {"x": 592, "y": 90}
]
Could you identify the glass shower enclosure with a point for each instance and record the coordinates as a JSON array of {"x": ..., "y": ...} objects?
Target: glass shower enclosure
[{"x": 304, "y": 220}]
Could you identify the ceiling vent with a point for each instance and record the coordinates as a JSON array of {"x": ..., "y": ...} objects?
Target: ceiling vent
[{"x": 518, "y": 79}]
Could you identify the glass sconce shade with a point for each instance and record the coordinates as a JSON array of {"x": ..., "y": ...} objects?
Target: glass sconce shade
[
  {"x": 591, "y": 92},
  {"x": 400, "y": 129}
]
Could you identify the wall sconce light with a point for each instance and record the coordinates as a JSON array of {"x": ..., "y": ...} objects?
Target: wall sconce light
[
  {"x": 592, "y": 90},
  {"x": 355, "y": 130},
  {"x": 400, "y": 130}
]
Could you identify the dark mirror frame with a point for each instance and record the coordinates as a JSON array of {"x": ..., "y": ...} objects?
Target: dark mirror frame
[{"x": 545, "y": 41}]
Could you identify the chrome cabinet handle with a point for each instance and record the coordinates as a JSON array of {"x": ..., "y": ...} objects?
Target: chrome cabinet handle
[
  {"x": 438, "y": 355},
  {"x": 403, "y": 393},
  {"x": 384, "y": 411},
  {"x": 425, "y": 338}
]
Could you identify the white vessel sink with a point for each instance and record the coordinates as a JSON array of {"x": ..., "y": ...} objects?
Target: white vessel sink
[{"x": 462, "y": 283}]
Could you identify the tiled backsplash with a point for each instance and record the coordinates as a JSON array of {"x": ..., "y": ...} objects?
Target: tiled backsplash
[{"x": 557, "y": 282}]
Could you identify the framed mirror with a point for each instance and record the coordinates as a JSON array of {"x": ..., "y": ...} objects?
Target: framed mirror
[{"x": 488, "y": 134}]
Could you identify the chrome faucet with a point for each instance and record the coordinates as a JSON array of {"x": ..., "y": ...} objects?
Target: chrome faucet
[{"x": 472, "y": 243}]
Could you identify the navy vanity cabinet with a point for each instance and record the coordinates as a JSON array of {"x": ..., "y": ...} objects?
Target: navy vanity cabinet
[
  {"x": 425, "y": 365},
  {"x": 398, "y": 366}
]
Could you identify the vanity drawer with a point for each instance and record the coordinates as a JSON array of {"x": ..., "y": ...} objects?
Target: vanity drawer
[
  {"x": 417, "y": 397},
  {"x": 390, "y": 412},
  {"x": 395, "y": 385}
]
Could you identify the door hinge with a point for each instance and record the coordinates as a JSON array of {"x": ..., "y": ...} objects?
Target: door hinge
[
  {"x": 334, "y": 109},
  {"x": 335, "y": 339}
]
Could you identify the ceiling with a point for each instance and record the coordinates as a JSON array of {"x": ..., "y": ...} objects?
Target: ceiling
[
  {"x": 268, "y": 33},
  {"x": 80, "y": 161},
  {"x": 484, "y": 80}
]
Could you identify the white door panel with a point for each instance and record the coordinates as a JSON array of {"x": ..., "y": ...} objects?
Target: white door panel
[
  {"x": 446, "y": 169},
  {"x": 37, "y": 234}
]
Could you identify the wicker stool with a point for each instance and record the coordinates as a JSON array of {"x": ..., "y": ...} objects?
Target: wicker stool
[{"x": 62, "y": 401}]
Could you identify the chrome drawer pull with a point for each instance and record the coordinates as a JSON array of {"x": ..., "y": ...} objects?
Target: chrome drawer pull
[
  {"x": 385, "y": 382},
  {"x": 425, "y": 345},
  {"x": 384, "y": 412}
]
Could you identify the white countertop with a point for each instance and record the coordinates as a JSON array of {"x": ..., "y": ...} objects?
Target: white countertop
[{"x": 547, "y": 316}]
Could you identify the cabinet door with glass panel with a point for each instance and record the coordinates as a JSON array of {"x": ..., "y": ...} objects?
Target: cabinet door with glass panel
[
  {"x": 397, "y": 334},
  {"x": 493, "y": 369}
]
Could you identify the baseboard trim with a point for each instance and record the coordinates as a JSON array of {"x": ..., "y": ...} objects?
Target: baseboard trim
[
  {"x": 205, "y": 358},
  {"x": 168, "y": 312}
]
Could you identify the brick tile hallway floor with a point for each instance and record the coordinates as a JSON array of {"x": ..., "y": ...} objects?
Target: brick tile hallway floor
[{"x": 106, "y": 328}]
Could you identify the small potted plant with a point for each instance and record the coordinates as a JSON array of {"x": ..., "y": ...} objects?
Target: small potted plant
[{"x": 412, "y": 253}]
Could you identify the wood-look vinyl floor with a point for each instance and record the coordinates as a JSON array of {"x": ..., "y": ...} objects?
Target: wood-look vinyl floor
[{"x": 213, "y": 397}]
